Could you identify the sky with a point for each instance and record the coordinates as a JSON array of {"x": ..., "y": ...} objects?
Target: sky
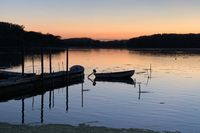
[{"x": 103, "y": 19}]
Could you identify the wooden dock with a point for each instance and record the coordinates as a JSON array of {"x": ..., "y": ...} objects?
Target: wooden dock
[
  {"x": 14, "y": 85},
  {"x": 20, "y": 86}
]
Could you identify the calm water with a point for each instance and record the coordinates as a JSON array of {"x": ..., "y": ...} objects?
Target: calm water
[{"x": 169, "y": 98}]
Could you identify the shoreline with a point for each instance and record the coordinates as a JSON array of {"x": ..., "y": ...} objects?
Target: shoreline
[{"x": 60, "y": 128}]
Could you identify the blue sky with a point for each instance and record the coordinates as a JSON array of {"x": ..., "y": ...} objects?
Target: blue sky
[{"x": 103, "y": 18}]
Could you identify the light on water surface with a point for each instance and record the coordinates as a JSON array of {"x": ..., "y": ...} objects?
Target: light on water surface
[{"x": 168, "y": 99}]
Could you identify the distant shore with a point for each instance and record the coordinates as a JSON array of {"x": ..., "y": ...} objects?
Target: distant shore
[
  {"x": 156, "y": 41},
  {"x": 14, "y": 35},
  {"x": 8, "y": 128}
]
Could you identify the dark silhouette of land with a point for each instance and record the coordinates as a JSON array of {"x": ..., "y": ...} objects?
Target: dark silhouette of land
[
  {"x": 15, "y": 35},
  {"x": 163, "y": 41},
  {"x": 166, "y": 41},
  {"x": 90, "y": 43}
]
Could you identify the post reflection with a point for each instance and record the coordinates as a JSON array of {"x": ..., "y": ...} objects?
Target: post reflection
[
  {"x": 67, "y": 98},
  {"x": 82, "y": 95},
  {"x": 42, "y": 108},
  {"x": 22, "y": 111},
  {"x": 50, "y": 99},
  {"x": 51, "y": 96},
  {"x": 139, "y": 91}
]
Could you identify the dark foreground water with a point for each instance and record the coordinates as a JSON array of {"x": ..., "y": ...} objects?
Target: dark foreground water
[{"x": 168, "y": 99}]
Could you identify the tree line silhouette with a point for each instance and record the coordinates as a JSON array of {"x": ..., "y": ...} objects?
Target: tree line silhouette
[
  {"x": 166, "y": 41},
  {"x": 153, "y": 41},
  {"x": 15, "y": 35}
]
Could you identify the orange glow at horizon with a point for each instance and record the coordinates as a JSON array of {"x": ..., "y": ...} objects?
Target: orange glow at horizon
[
  {"x": 113, "y": 31},
  {"x": 108, "y": 35},
  {"x": 104, "y": 19}
]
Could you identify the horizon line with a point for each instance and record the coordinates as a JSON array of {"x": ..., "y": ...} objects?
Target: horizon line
[{"x": 109, "y": 39}]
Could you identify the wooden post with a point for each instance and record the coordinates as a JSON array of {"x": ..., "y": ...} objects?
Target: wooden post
[
  {"x": 42, "y": 64},
  {"x": 22, "y": 52},
  {"x": 50, "y": 71},
  {"x": 53, "y": 90},
  {"x": 67, "y": 60},
  {"x": 150, "y": 71},
  {"x": 50, "y": 62},
  {"x": 33, "y": 64},
  {"x": 67, "y": 80}
]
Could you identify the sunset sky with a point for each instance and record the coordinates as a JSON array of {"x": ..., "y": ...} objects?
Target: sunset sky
[{"x": 103, "y": 19}]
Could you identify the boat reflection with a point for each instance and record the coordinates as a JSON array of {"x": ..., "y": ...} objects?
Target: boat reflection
[
  {"x": 129, "y": 81},
  {"x": 126, "y": 80}
]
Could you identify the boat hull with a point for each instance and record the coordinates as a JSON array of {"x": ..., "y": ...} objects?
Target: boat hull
[{"x": 124, "y": 74}]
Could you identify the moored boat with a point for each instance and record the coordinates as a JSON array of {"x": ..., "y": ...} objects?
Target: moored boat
[{"x": 122, "y": 74}]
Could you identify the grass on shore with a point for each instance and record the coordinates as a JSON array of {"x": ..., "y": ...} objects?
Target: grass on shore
[{"x": 7, "y": 128}]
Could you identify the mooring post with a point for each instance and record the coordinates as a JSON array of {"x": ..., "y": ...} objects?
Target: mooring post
[
  {"x": 50, "y": 62},
  {"x": 150, "y": 67},
  {"x": 150, "y": 71},
  {"x": 50, "y": 71},
  {"x": 33, "y": 64},
  {"x": 53, "y": 90},
  {"x": 67, "y": 61},
  {"x": 42, "y": 64},
  {"x": 22, "y": 52},
  {"x": 67, "y": 80}
]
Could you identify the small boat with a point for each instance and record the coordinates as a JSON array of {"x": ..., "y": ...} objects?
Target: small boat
[
  {"x": 77, "y": 69},
  {"x": 122, "y": 74}
]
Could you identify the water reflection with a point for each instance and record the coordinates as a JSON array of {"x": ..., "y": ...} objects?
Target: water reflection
[
  {"x": 67, "y": 98},
  {"x": 129, "y": 81},
  {"x": 14, "y": 56},
  {"x": 126, "y": 81},
  {"x": 23, "y": 98},
  {"x": 165, "y": 98},
  {"x": 42, "y": 107},
  {"x": 22, "y": 111}
]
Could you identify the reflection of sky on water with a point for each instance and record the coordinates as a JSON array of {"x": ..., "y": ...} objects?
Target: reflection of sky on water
[{"x": 170, "y": 99}]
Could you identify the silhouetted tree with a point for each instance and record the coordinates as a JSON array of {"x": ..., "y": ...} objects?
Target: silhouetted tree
[{"x": 15, "y": 35}]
